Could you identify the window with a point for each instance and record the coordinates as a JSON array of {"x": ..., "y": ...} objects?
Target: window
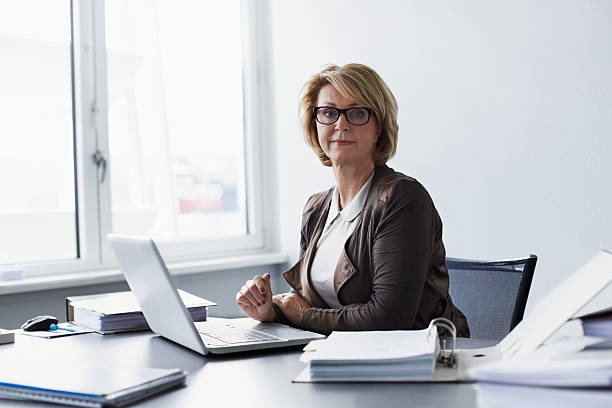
[
  {"x": 133, "y": 117},
  {"x": 37, "y": 204},
  {"x": 175, "y": 119}
]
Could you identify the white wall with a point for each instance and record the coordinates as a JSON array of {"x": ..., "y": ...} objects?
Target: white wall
[{"x": 505, "y": 117}]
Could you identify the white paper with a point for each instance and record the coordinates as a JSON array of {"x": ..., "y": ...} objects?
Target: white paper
[
  {"x": 125, "y": 302},
  {"x": 585, "y": 369},
  {"x": 375, "y": 346}
]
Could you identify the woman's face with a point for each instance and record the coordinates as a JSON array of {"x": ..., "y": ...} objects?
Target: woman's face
[{"x": 343, "y": 142}]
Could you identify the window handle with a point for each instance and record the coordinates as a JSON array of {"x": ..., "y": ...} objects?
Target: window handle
[{"x": 100, "y": 161}]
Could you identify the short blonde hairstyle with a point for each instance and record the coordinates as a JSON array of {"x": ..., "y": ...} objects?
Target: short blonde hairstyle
[{"x": 363, "y": 85}]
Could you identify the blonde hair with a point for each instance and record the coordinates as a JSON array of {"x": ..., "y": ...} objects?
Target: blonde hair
[{"x": 363, "y": 85}]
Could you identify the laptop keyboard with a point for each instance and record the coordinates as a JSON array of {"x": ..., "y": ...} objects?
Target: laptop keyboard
[{"x": 226, "y": 333}]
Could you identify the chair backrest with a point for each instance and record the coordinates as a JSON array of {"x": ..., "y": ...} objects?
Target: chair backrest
[{"x": 491, "y": 294}]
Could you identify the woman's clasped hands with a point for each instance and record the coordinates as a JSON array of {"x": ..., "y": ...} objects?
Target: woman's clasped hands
[{"x": 255, "y": 300}]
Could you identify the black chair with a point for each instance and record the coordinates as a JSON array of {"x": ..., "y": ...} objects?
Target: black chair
[{"x": 492, "y": 294}]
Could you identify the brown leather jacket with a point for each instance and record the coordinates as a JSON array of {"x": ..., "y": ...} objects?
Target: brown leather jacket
[{"x": 392, "y": 273}]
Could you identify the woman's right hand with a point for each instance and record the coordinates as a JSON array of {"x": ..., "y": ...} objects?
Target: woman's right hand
[{"x": 255, "y": 298}]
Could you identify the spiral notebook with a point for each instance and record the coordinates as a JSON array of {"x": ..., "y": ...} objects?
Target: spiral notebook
[
  {"x": 451, "y": 365},
  {"x": 85, "y": 386}
]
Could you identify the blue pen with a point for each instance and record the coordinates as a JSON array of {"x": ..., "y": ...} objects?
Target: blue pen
[{"x": 56, "y": 327}]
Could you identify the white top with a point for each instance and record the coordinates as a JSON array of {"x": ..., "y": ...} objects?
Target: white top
[{"x": 338, "y": 227}]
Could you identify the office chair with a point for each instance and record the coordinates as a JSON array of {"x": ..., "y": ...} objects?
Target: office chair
[{"x": 491, "y": 294}]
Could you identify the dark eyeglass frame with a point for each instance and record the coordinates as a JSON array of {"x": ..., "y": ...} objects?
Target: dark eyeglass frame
[{"x": 315, "y": 111}]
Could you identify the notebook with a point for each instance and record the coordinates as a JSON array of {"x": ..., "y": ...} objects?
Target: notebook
[
  {"x": 546, "y": 317},
  {"x": 149, "y": 279},
  {"x": 85, "y": 386}
]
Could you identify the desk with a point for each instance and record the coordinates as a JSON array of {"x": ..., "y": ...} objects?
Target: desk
[{"x": 259, "y": 379}]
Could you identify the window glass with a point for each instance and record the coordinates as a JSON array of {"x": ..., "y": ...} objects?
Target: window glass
[
  {"x": 37, "y": 203},
  {"x": 175, "y": 119}
]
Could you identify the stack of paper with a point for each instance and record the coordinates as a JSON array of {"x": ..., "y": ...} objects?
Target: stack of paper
[
  {"x": 374, "y": 356},
  {"x": 596, "y": 316},
  {"x": 565, "y": 372},
  {"x": 598, "y": 325},
  {"x": 114, "y": 312},
  {"x": 567, "y": 362}
]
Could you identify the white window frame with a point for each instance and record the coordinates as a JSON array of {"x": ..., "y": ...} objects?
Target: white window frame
[{"x": 91, "y": 135}]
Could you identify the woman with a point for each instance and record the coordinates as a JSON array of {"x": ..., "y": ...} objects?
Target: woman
[{"x": 372, "y": 256}]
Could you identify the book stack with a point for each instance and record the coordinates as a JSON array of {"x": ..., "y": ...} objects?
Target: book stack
[
  {"x": 120, "y": 311},
  {"x": 400, "y": 355}
]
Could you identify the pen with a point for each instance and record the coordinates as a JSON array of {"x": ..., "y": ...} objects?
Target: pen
[{"x": 56, "y": 327}]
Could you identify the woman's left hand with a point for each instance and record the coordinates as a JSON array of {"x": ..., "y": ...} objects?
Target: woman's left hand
[{"x": 292, "y": 305}]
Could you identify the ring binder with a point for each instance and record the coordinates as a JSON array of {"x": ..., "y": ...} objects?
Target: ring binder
[
  {"x": 580, "y": 291},
  {"x": 445, "y": 357}
]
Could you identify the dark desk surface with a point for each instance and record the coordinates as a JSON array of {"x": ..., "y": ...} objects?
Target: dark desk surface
[{"x": 248, "y": 379}]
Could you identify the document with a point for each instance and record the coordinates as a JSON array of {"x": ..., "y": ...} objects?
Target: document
[
  {"x": 375, "y": 346},
  {"x": 558, "y": 306},
  {"x": 125, "y": 302},
  {"x": 583, "y": 369}
]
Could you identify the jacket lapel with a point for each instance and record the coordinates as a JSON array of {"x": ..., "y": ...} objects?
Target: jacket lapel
[
  {"x": 345, "y": 270},
  {"x": 298, "y": 277}
]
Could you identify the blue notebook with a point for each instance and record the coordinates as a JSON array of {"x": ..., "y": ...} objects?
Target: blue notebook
[{"x": 86, "y": 386}]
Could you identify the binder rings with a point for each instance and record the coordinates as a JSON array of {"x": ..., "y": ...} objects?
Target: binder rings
[
  {"x": 85, "y": 386},
  {"x": 545, "y": 318}
]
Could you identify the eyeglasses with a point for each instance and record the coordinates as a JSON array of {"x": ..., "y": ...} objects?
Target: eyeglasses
[{"x": 327, "y": 115}]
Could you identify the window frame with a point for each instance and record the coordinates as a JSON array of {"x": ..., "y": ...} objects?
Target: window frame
[{"x": 90, "y": 133}]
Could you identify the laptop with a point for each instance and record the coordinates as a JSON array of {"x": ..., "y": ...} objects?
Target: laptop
[{"x": 149, "y": 279}]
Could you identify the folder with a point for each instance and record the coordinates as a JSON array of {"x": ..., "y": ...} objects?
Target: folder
[
  {"x": 546, "y": 317},
  {"x": 85, "y": 386}
]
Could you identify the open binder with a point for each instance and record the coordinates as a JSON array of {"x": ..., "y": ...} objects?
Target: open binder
[{"x": 545, "y": 318}]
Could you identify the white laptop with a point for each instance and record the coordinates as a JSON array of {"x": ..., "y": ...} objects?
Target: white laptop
[{"x": 149, "y": 280}]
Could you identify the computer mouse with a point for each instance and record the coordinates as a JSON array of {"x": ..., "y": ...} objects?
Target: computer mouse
[{"x": 39, "y": 323}]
